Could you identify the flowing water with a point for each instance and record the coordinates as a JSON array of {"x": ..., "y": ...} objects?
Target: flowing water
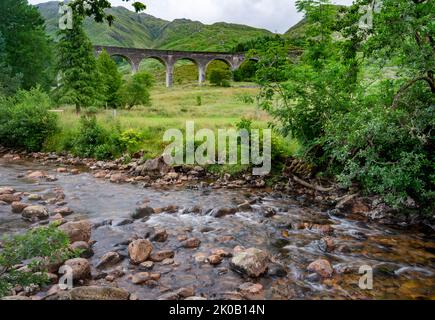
[{"x": 403, "y": 261}]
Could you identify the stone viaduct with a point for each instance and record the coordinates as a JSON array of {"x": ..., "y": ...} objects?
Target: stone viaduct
[{"x": 168, "y": 58}]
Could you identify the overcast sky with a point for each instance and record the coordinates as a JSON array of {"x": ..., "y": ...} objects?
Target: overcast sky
[{"x": 274, "y": 15}]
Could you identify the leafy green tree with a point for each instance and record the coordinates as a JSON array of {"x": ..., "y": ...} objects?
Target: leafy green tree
[
  {"x": 220, "y": 77},
  {"x": 111, "y": 79},
  {"x": 135, "y": 91},
  {"x": 97, "y": 9},
  {"x": 9, "y": 83},
  {"x": 28, "y": 51},
  {"x": 79, "y": 82},
  {"x": 361, "y": 100}
]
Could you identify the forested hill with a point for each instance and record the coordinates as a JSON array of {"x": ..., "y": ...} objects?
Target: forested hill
[{"x": 145, "y": 31}]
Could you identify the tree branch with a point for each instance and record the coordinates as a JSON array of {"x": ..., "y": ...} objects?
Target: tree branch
[
  {"x": 309, "y": 185},
  {"x": 409, "y": 84}
]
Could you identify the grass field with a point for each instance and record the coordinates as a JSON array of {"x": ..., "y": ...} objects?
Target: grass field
[{"x": 219, "y": 108}]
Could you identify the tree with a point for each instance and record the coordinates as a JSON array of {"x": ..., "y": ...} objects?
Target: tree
[
  {"x": 110, "y": 78},
  {"x": 220, "y": 77},
  {"x": 9, "y": 83},
  {"x": 27, "y": 47},
  {"x": 354, "y": 119},
  {"x": 79, "y": 79},
  {"x": 136, "y": 90},
  {"x": 79, "y": 83}
]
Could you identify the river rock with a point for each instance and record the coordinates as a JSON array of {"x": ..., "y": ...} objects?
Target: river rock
[
  {"x": 34, "y": 197},
  {"x": 160, "y": 235},
  {"x": 156, "y": 166},
  {"x": 214, "y": 259},
  {"x": 326, "y": 244},
  {"x": 159, "y": 256},
  {"x": 185, "y": 292},
  {"x": 147, "y": 265},
  {"x": 9, "y": 198},
  {"x": 18, "y": 207},
  {"x": 245, "y": 206},
  {"x": 65, "y": 211},
  {"x": 139, "y": 250},
  {"x": 142, "y": 212},
  {"x": 37, "y": 175},
  {"x": 141, "y": 277},
  {"x": 93, "y": 293},
  {"x": 78, "y": 230},
  {"x": 252, "y": 262},
  {"x": 322, "y": 267},
  {"x": 109, "y": 259},
  {"x": 34, "y": 213},
  {"x": 221, "y": 252},
  {"x": 118, "y": 178},
  {"x": 7, "y": 190},
  {"x": 221, "y": 212},
  {"x": 81, "y": 269},
  {"x": 191, "y": 243},
  {"x": 252, "y": 291}
]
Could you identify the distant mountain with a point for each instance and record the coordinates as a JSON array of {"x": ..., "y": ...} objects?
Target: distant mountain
[{"x": 145, "y": 31}]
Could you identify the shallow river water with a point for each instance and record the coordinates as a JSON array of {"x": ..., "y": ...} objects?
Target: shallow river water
[{"x": 403, "y": 261}]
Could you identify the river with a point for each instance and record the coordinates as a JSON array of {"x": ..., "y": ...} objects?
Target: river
[{"x": 402, "y": 260}]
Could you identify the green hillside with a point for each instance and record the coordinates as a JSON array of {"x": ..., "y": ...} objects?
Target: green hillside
[{"x": 145, "y": 31}]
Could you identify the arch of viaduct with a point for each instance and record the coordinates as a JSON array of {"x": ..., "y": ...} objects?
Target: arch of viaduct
[{"x": 168, "y": 58}]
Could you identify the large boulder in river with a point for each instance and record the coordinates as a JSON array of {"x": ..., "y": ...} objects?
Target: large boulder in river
[
  {"x": 35, "y": 213},
  {"x": 252, "y": 262},
  {"x": 81, "y": 269},
  {"x": 92, "y": 293},
  {"x": 139, "y": 250},
  {"x": 77, "y": 230}
]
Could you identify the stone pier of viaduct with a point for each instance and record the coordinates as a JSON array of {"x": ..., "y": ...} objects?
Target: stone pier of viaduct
[{"x": 169, "y": 58}]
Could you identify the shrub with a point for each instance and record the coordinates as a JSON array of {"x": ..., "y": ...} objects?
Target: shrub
[
  {"x": 220, "y": 77},
  {"x": 198, "y": 101},
  {"x": 386, "y": 151},
  {"x": 90, "y": 136},
  {"x": 38, "y": 247},
  {"x": 136, "y": 90},
  {"x": 25, "y": 120},
  {"x": 130, "y": 140}
]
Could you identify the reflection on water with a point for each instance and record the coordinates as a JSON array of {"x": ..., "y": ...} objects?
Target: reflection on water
[{"x": 403, "y": 261}]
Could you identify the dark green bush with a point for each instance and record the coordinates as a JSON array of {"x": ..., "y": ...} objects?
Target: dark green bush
[
  {"x": 90, "y": 136},
  {"x": 25, "y": 120}
]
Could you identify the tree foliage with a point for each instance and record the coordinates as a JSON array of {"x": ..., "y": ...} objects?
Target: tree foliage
[
  {"x": 110, "y": 79},
  {"x": 361, "y": 100},
  {"x": 79, "y": 82},
  {"x": 135, "y": 91},
  {"x": 27, "y": 51}
]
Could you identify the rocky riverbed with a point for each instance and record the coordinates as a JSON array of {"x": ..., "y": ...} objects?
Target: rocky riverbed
[{"x": 150, "y": 232}]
